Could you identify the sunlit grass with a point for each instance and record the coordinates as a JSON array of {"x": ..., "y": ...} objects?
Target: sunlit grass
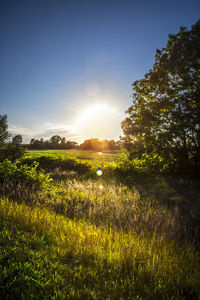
[
  {"x": 83, "y": 236},
  {"x": 99, "y": 262},
  {"x": 80, "y": 154}
]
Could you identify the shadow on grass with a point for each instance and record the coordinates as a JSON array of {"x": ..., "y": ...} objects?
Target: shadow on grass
[
  {"x": 179, "y": 196},
  {"x": 49, "y": 164},
  {"x": 176, "y": 194}
]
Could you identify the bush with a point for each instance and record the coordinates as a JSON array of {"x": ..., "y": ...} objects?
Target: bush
[
  {"x": 11, "y": 152},
  {"x": 51, "y": 163},
  {"x": 15, "y": 171}
]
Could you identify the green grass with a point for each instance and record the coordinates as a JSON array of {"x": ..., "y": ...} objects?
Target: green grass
[
  {"x": 81, "y": 236},
  {"x": 49, "y": 254},
  {"x": 80, "y": 154}
]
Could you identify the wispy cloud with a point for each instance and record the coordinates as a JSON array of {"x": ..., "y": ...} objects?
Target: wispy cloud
[
  {"x": 60, "y": 131},
  {"x": 45, "y": 131}
]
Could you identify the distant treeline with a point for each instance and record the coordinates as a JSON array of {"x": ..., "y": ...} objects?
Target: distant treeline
[
  {"x": 55, "y": 142},
  {"x": 58, "y": 142}
]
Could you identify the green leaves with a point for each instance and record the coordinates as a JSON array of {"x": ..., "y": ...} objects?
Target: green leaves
[
  {"x": 19, "y": 172},
  {"x": 11, "y": 151},
  {"x": 165, "y": 115}
]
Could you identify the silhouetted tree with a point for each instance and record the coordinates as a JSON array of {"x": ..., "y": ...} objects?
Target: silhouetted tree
[
  {"x": 63, "y": 141},
  {"x": 55, "y": 140},
  {"x": 8, "y": 150},
  {"x": 165, "y": 116},
  {"x": 32, "y": 141},
  {"x": 112, "y": 145},
  {"x": 95, "y": 144},
  {"x": 71, "y": 145},
  {"x": 17, "y": 139}
]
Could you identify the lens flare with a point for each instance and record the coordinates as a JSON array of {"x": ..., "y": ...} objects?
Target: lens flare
[{"x": 99, "y": 172}]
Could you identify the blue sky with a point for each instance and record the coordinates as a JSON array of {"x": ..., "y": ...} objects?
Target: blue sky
[{"x": 59, "y": 58}]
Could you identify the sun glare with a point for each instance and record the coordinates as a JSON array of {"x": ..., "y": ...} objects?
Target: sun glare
[{"x": 99, "y": 121}]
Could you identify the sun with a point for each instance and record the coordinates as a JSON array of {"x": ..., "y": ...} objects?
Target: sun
[{"x": 99, "y": 121}]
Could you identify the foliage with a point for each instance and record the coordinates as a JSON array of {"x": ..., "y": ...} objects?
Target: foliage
[
  {"x": 11, "y": 151},
  {"x": 147, "y": 164},
  {"x": 8, "y": 150},
  {"x": 4, "y": 135},
  {"x": 164, "y": 119},
  {"x": 17, "y": 139},
  {"x": 55, "y": 142},
  {"x": 21, "y": 172},
  {"x": 50, "y": 163},
  {"x": 99, "y": 145}
]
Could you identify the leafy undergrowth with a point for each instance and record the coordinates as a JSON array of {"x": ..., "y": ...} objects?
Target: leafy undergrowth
[
  {"x": 18, "y": 172},
  {"x": 45, "y": 255}
]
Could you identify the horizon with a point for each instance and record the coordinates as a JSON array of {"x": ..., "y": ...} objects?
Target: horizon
[{"x": 68, "y": 68}]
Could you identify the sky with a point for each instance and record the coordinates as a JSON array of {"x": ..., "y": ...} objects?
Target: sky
[{"x": 67, "y": 67}]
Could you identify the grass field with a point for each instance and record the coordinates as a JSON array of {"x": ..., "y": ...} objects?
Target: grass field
[
  {"x": 80, "y": 154},
  {"x": 83, "y": 236}
]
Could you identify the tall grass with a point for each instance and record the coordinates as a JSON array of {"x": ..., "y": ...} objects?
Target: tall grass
[
  {"x": 80, "y": 236},
  {"x": 96, "y": 263}
]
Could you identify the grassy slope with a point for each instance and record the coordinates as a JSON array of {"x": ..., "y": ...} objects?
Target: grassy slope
[{"x": 88, "y": 239}]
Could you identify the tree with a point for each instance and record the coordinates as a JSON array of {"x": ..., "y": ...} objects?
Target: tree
[
  {"x": 95, "y": 144},
  {"x": 88, "y": 145},
  {"x": 8, "y": 150},
  {"x": 4, "y": 134},
  {"x": 32, "y": 141},
  {"x": 63, "y": 140},
  {"x": 112, "y": 145},
  {"x": 71, "y": 145},
  {"x": 165, "y": 115},
  {"x": 55, "y": 140},
  {"x": 17, "y": 139}
]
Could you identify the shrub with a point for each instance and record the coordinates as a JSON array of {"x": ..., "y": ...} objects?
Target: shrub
[
  {"x": 11, "y": 152},
  {"x": 15, "y": 171},
  {"x": 52, "y": 163}
]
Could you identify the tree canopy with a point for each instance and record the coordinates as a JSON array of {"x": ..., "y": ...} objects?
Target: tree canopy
[
  {"x": 11, "y": 151},
  {"x": 17, "y": 139},
  {"x": 164, "y": 118}
]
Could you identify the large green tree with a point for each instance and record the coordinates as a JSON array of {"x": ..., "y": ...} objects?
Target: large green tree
[{"x": 165, "y": 115}]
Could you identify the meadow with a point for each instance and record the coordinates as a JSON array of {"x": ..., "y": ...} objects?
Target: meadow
[
  {"x": 67, "y": 233},
  {"x": 79, "y": 154}
]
